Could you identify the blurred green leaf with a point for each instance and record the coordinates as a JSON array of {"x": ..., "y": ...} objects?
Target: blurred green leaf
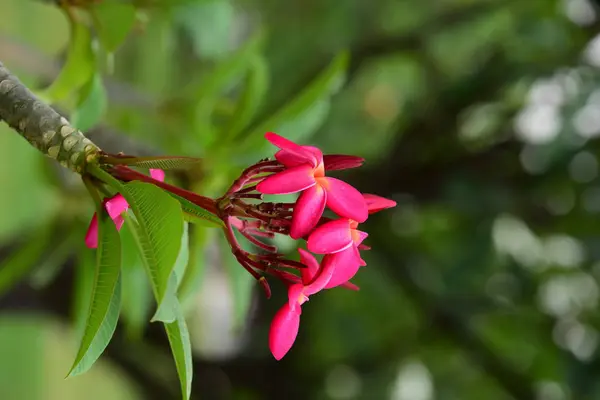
[
  {"x": 209, "y": 24},
  {"x": 113, "y": 20},
  {"x": 302, "y": 115},
  {"x": 198, "y": 215},
  {"x": 255, "y": 88},
  {"x": 179, "y": 339},
  {"x": 241, "y": 283},
  {"x": 105, "y": 301},
  {"x": 137, "y": 293},
  {"x": 191, "y": 280},
  {"x": 158, "y": 234},
  {"x": 50, "y": 266},
  {"x": 208, "y": 90},
  {"x": 92, "y": 106},
  {"x": 14, "y": 267},
  {"x": 78, "y": 68}
]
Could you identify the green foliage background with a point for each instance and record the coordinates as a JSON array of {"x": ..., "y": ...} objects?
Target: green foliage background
[{"x": 479, "y": 117}]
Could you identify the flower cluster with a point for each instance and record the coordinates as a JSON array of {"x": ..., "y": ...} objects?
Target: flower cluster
[{"x": 295, "y": 169}]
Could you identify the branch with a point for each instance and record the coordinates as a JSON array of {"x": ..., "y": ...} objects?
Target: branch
[{"x": 42, "y": 126}]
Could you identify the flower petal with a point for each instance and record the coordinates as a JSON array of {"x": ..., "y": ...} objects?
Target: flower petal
[
  {"x": 344, "y": 200},
  {"x": 283, "y": 332},
  {"x": 116, "y": 205},
  {"x": 307, "y": 211},
  {"x": 296, "y": 297},
  {"x": 292, "y": 160},
  {"x": 377, "y": 203},
  {"x": 328, "y": 266},
  {"x": 91, "y": 237},
  {"x": 331, "y": 237},
  {"x": 119, "y": 221},
  {"x": 341, "y": 161},
  {"x": 312, "y": 266},
  {"x": 157, "y": 174},
  {"x": 358, "y": 237},
  {"x": 347, "y": 263},
  {"x": 291, "y": 147},
  {"x": 291, "y": 180}
]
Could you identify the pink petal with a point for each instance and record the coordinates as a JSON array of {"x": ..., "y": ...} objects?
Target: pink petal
[
  {"x": 330, "y": 237},
  {"x": 344, "y": 200},
  {"x": 327, "y": 270},
  {"x": 347, "y": 263},
  {"x": 358, "y": 236},
  {"x": 283, "y": 332},
  {"x": 377, "y": 203},
  {"x": 340, "y": 161},
  {"x": 350, "y": 285},
  {"x": 296, "y": 297},
  {"x": 91, "y": 237},
  {"x": 291, "y": 147},
  {"x": 119, "y": 221},
  {"x": 289, "y": 181},
  {"x": 292, "y": 160},
  {"x": 157, "y": 174},
  {"x": 312, "y": 266},
  {"x": 116, "y": 205},
  {"x": 307, "y": 211}
]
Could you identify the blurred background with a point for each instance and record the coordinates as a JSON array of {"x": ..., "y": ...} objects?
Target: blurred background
[{"x": 479, "y": 117}]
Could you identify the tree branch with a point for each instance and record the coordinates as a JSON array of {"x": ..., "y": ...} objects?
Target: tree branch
[{"x": 42, "y": 126}]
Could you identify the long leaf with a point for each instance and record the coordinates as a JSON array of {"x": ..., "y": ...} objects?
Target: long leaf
[
  {"x": 137, "y": 292},
  {"x": 158, "y": 233},
  {"x": 179, "y": 339},
  {"x": 184, "y": 255},
  {"x": 105, "y": 298}
]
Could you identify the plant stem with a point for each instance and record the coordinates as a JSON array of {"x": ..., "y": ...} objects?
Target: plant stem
[{"x": 42, "y": 126}]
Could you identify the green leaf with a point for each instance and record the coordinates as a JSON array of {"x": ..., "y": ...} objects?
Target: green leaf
[
  {"x": 179, "y": 339},
  {"x": 162, "y": 162},
  {"x": 113, "y": 20},
  {"x": 257, "y": 82},
  {"x": 198, "y": 215},
  {"x": 158, "y": 234},
  {"x": 209, "y": 25},
  {"x": 184, "y": 255},
  {"x": 137, "y": 293},
  {"x": 191, "y": 280},
  {"x": 78, "y": 68},
  {"x": 51, "y": 265},
  {"x": 92, "y": 105},
  {"x": 14, "y": 267},
  {"x": 105, "y": 297},
  {"x": 321, "y": 89}
]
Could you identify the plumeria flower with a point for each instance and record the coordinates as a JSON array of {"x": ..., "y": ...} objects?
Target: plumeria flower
[
  {"x": 285, "y": 324},
  {"x": 115, "y": 206},
  {"x": 305, "y": 172},
  {"x": 340, "y": 240}
]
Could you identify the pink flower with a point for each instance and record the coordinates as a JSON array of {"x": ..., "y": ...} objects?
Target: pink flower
[
  {"x": 305, "y": 172},
  {"x": 285, "y": 324},
  {"x": 115, "y": 206},
  {"x": 340, "y": 241}
]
